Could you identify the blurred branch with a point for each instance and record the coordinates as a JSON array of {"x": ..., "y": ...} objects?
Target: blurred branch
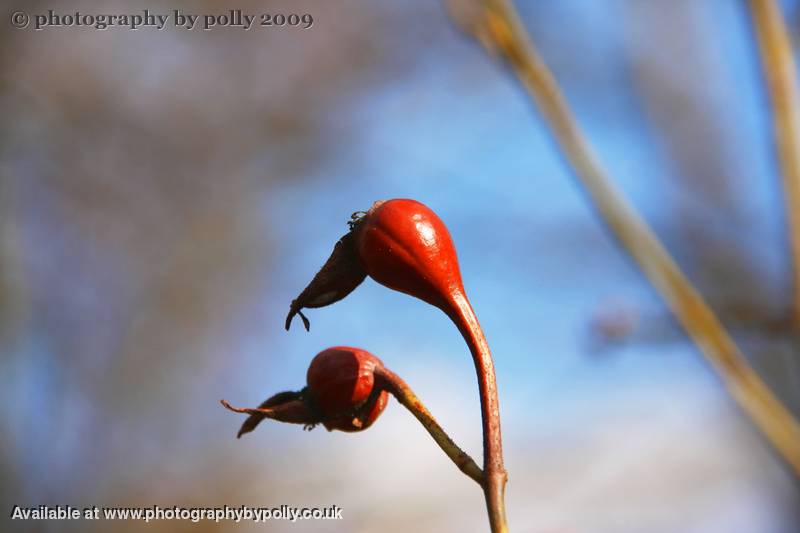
[
  {"x": 496, "y": 25},
  {"x": 780, "y": 73}
]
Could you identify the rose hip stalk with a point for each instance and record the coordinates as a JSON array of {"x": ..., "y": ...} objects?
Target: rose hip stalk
[
  {"x": 348, "y": 389},
  {"x": 403, "y": 245}
]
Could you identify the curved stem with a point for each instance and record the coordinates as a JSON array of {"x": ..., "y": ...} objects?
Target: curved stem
[
  {"x": 391, "y": 382},
  {"x": 781, "y": 75},
  {"x": 499, "y": 29},
  {"x": 463, "y": 316}
]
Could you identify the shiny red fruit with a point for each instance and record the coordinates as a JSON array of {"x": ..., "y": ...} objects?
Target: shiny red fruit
[
  {"x": 341, "y": 385},
  {"x": 403, "y": 245}
]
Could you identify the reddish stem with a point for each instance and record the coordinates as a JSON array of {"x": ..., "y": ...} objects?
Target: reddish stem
[{"x": 462, "y": 314}]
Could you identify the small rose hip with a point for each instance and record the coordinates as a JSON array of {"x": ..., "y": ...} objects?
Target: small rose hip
[
  {"x": 341, "y": 393},
  {"x": 341, "y": 385},
  {"x": 348, "y": 389}
]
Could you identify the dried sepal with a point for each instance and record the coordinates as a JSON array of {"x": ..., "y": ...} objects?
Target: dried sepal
[
  {"x": 337, "y": 278},
  {"x": 284, "y": 407}
]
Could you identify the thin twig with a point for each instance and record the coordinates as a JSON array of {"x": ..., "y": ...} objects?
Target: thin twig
[
  {"x": 397, "y": 387},
  {"x": 499, "y": 29},
  {"x": 780, "y": 72}
]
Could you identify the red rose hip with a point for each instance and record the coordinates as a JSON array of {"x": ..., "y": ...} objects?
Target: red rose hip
[
  {"x": 341, "y": 385},
  {"x": 403, "y": 245},
  {"x": 342, "y": 394}
]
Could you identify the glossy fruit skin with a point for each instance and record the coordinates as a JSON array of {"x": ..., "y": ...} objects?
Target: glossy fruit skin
[
  {"x": 341, "y": 385},
  {"x": 405, "y": 246}
]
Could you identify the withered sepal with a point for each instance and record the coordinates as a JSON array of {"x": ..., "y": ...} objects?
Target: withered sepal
[
  {"x": 337, "y": 278},
  {"x": 284, "y": 407}
]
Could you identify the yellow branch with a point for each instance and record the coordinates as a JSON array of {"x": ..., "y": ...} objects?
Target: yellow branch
[
  {"x": 499, "y": 29},
  {"x": 781, "y": 77}
]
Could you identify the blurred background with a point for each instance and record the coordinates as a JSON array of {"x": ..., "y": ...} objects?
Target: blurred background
[{"x": 165, "y": 194}]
